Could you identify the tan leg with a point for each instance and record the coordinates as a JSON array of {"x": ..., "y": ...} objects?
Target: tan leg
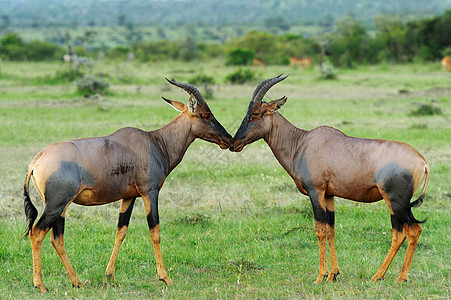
[
  {"x": 58, "y": 244},
  {"x": 36, "y": 237},
  {"x": 150, "y": 203},
  {"x": 413, "y": 234},
  {"x": 320, "y": 229},
  {"x": 155, "y": 236},
  {"x": 397, "y": 240},
  {"x": 330, "y": 235},
  {"x": 334, "y": 270},
  {"x": 122, "y": 227}
]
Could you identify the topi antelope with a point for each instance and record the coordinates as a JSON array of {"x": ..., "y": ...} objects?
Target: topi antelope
[
  {"x": 127, "y": 164},
  {"x": 324, "y": 163}
]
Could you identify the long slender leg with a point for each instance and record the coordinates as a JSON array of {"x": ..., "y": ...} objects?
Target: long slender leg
[
  {"x": 320, "y": 229},
  {"x": 151, "y": 206},
  {"x": 57, "y": 240},
  {"x": 36, "y": 237},
  {"x": 319, "y": 213},
  {"x": 399, "y": 236},
  {"x": 122, "y": 227},
  {"x": 413, "y": 234},
  {"x": 330, "y": 235}
]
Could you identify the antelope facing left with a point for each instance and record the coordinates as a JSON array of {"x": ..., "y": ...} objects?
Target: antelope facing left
[
  {"x": 324, "y": 162},
  {"x": 127, "y": 164}
]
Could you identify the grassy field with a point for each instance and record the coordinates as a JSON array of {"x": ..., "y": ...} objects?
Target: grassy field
[{"x": 233, "y": 224}]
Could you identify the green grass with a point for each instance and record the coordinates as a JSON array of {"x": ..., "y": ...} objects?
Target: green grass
[{"x": 233, "y": 224}]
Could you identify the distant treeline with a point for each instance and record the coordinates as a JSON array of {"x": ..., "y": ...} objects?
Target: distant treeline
[{"x": 350, "y": 43}]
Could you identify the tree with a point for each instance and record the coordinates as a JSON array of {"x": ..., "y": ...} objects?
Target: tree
[
  {"x": 349, "y": 42},
  {"x": 12, "y": 39},
  {"x": 390, "y": 41},
  {"x": 432, "y": 35}
]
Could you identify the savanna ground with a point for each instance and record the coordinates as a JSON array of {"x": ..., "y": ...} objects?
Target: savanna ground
[{"x": 233, "y": 224}]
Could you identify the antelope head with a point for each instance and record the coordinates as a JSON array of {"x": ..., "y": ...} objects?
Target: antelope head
[
  {"x": 203, "y": 123},
  {"x": 258, "y": 120}
]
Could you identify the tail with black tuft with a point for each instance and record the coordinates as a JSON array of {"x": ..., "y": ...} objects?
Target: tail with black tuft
[
  {"x": 30, "y": 211},
  {"x": 420, "y": 198}
]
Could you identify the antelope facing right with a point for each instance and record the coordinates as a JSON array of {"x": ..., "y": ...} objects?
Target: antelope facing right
[
  {"x": 127, "y": 164},
  {"x": 324, "y": 163}
]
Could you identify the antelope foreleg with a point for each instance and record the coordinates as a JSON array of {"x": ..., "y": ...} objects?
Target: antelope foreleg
[
  {"x": 330, "y": 235},
  {"x": 57, "y": 240},
  {"x": 320, "y": 214},
  {"x": 122, "y": 227},
  {"x": 320, "y": 229},
  {"x": 151, "y": 206}
]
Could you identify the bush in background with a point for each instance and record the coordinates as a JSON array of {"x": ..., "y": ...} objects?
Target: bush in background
[
  {"x": 201, "y": 78},
  {"x": 240, "y": 56},
  {"x": 328, "y": 71},
  {"x": 426, "y": 109},
  {"x": 90, "y": 85},
  {"x": 240, "y": 76}
]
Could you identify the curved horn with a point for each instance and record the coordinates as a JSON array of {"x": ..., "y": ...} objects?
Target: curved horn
[
  {"x": 263, "y": 87},
  {"x": 190, "y": 89}
]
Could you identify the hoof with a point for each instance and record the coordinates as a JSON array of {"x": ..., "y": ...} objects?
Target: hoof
[
  {"x": 167, "y": 280},
  {"x": 374, "y": 279},
  {"x": 399, "y": 281},
  {"x": 42, "y": 288},
  {"x": 320, "y": 279},
  {"x": 110, "y": 277},
  {"x": 77, "y": 285},
  {"x": 333, "y": 277}
]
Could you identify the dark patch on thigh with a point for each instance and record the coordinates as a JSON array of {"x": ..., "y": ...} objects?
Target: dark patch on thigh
[
  {"x": 58, "y": 227},
  {"x": 397, "y": 182},
  {"x": 124, "y": 217},
  {"x": 60, "y": 188},
  {"x": 397, "y": 222}
]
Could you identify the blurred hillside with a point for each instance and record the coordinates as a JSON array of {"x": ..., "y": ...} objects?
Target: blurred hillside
[{"x": 51, "y": 13}]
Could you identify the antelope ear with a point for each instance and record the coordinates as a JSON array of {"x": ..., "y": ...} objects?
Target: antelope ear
[
  {"x": 192, "y": 104},
  {"x": 175, "y": 104},
  {"x": 277, "y": 104}
]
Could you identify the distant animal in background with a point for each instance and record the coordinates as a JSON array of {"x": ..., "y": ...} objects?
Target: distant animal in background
[
  {"x": 446, "y": 63},
  {"x": 301, "y": 61},
  {"x": 258, "y": 62}
]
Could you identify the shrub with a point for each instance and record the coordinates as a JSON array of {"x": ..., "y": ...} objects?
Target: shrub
[
  {"x": 240, "y": 76},
  {"x": 90, "y": 85},
  {"x": 119, "y": 52},
  {"x": 328, "y": 71},
  {"x": 205, "y": 79},
  {"x": 426, "y": 109},
  {"x": 68, "y": 76},
  {"x": 240, "y": 56}
]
